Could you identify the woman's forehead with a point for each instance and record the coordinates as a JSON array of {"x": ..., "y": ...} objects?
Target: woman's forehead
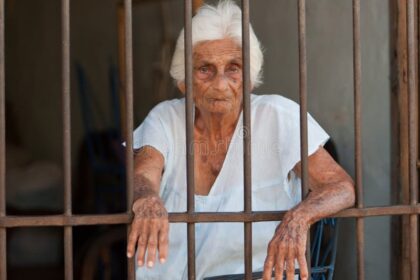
[{"x": 217, "y": 49}]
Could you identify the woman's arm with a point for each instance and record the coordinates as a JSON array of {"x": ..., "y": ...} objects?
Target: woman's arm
[
  {"x": 331, "y": 190},
  {"x": 149, "y": 229}
]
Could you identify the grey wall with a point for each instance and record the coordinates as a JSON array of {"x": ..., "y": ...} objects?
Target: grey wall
[
  {"x": 33, "y": 83},
  {"x": 330, "y": 90}
]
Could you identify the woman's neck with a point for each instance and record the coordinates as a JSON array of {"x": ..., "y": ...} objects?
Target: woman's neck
[{"x": 216, "y": 126}]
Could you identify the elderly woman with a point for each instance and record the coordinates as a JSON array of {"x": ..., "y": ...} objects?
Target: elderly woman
[{"x": 160, "y": 165}]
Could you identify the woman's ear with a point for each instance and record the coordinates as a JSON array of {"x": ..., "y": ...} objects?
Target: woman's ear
[{"x": 181, "y": 86}]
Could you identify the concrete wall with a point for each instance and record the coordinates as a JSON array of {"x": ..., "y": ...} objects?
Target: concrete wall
[
  {"x": 330, "y": 91},
  {"x": 33, "y": 83}
]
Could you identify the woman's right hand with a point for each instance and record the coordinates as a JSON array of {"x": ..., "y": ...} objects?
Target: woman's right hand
[{"x": 149, "y": 230}]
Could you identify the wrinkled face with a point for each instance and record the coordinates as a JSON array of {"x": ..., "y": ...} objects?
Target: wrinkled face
[{"x": 217, "y": 76}]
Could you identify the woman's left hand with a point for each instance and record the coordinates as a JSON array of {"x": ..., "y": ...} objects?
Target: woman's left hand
[{"x": 288, "y": 245}]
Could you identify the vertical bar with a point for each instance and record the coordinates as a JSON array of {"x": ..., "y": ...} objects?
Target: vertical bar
[
  {"x": 403, "y": 162},
  {"x": 358, "y": 137},
  {"x": 128, "y": 50},
  {"x": 189, "y": 113},
  {"x": 303, "y": 92},
  {"x": 412, "y": 115},
  {"x": 3, "y": 265},
  {"x": 68, "y": 230},
  {"x": 247, "y": 138}
]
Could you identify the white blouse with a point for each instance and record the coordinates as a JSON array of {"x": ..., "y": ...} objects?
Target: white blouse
[{"x": 275, "y": 151}]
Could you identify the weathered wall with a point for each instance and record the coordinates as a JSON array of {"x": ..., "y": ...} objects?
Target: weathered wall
[{"x": 330, "y": 91}]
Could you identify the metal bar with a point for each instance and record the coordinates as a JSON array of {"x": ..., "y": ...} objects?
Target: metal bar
[
  {"x": 65, "y": 17},
  {"x": 189, "y": 113},
  {"x": 68, "y": 232},
  {"x": 303, "y": 92},
  {"x": 128, "y": 51},
  {"x": 247, "y": 138},
  {"x": 303, "y": 97},
  {"x": 358, "y": 137},
  {"x": 68, "y": 252},
  {"x": 413, "y": 155},
  {"x": 200, "y": 217},
  {"x": 402, "y": 184},
  {"x": 3, "y": 250}
]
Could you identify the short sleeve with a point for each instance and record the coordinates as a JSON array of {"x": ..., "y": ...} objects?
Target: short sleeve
[
  {"x": 290, "y": 132},
  {"x": 152, "y": 132}
]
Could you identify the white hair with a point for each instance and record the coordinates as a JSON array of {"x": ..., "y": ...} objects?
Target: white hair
[{"x": 215, "y": 23}]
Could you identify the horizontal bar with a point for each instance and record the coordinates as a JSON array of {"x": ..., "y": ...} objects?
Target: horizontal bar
[
  {"x": 201, "y": 217},
  {"x": 63, "y": 220}
]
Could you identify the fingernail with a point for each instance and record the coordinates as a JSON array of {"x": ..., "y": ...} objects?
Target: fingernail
[
  {"x": 140, "y": 263},
  {"x": 129, "y": 255},
  {"x": 162, "y": 260},
  {"x": 150, "y": 264}
]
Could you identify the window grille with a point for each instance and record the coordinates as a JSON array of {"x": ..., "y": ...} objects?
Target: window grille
[{"x": 67, "y": 220}]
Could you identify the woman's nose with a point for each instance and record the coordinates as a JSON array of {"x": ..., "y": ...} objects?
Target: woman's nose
[{"x": 220, "y": 82}]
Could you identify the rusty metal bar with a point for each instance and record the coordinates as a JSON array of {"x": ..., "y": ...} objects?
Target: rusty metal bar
[
  {"x": 65, "y": 72},
  {"x": 65, "y": 25},
  {"x": 68, "y": 252},
  {"x": 412, "y": 121},
  {"x": 247, "y": 138},
  {"x": 189, "y": 113},
  {"x": 3, "y": 251},
  {"x": 303, "y": 96},
  {"x": 303, "y": 92},
  {"x": 357, "y": 70},
  {"x": 200, "y": 217},
  {"x": 128, "y": 51}
]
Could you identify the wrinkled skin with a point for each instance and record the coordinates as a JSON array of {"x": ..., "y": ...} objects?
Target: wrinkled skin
[
  {"x": 150, "y": 226},
  {"x": 217, "y": 78},
  {"x": 331, "y": 189}
]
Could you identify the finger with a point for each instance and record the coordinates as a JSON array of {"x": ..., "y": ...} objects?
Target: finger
[
  {"x": 163, "y": 242},
  {"x": 141, "y": 246},
  {"x": 269, "y": 261},
  {"x": 132, "y": 240},
  {"x": 279, "y": 268},
  {"x": 152, "y": 244},
  {"x": 290, "y": 264},
  {"x": 303, "y": 266}
]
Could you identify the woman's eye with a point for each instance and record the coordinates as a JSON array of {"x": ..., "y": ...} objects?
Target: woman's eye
[
  {"x": 204, "y": 69},
  {"x": 234, "y": 69}
]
